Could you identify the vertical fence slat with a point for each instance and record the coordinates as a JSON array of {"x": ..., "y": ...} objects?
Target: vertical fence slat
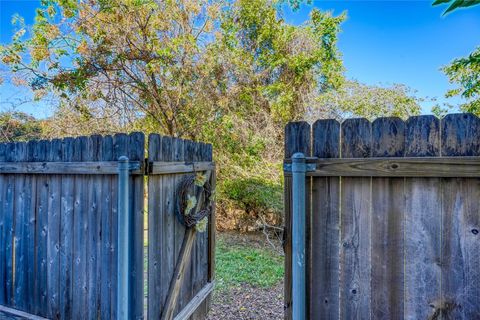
[
  {"x": 155, "y": 223},
  {"x": 32, "y": 209},
  {"x": 297, "y": 139},
  {"x": 388, "y": 215},
  {"x": 53, "y": 247},
  {"x": 3, "y": 184},
  {"x": 355, "y": 254},
  {"x": 136, "y": 152},
  {"x": 179, "y": 229},
  {"x": 20, "y": 247},
  {"x": 66, "y": 234},
  {"x": 460, "y": 223},
  {"x": 188, "y": 288},
  {"x": 422, "y": 223},
  {"x": 39, "y": 224},
  {"x": 325, "y": 226},
  {"x": 90, "y": 228},
  {"x": 80, "y": 217},
  {"x": 9, "y": 226},
  {"x": 106, "y": 232}
]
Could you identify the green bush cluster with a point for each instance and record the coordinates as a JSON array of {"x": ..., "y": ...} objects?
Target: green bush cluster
[{"x": 253, "y": 194}]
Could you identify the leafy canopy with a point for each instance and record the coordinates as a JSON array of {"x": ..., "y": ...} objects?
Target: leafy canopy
[
  {"x": 456, "y": 4},
  {"x": 465, "y": 72}
]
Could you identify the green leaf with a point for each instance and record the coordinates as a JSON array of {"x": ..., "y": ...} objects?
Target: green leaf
[{"x": 437, "y": 2}]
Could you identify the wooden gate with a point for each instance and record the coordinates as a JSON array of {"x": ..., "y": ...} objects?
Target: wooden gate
[
  {"x": 393, "y": 217},
  {"x": 58, "y": 226}
]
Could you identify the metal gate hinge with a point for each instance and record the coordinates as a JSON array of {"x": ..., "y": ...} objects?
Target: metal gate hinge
[{"x": 310, "y": 167}]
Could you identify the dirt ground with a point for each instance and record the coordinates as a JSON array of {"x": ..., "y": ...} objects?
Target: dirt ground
[{"x": 247, "y": 302}]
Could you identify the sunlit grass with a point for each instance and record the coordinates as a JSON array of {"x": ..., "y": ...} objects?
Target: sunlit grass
[{"x": 237, "y": 265}]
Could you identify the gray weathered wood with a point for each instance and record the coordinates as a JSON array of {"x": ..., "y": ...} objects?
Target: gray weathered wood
[
  {"x": 398, "y": 167},
  {"x": 86, "y": 168},
  {"x": 155, "y": 223},
  {"x": 422, "y": 136},
  {"x": 422, "y": 223},
  {"x": 106, "y": 240},
  {"x": 37, "y": 222},
  {"x": 325, "y": 227},
  {"x": 355, "y": 251},
  {"x": 66, "y": 235},
  {"x": 136, "y": 152},
  {"x": 53, "y": 235},
  {"x": 196, "y": 301},
  {"x": 460, "y": 224},
  {"x": 160, "y": 167},
  {"x": 22, "y": 201},
  {"x": 388, "y": 216},
  {"x": 80, "y": 226}
]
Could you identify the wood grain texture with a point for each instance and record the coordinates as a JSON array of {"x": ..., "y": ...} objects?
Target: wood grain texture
[
  {"x": 422, "y": 224},
  {"x": 325, "y": 227},
  {"x": 388, "y": 216},
  {"x": 397, "y": 167},
  {"x": 356, "y": 138},
  {"x": 460, "y": 224},
  {"x": 136, "y": 152},
  {"x": 422, "y": 136},
  {"x": 355, "y": 207},
  {"x": 297, "y": 138}
]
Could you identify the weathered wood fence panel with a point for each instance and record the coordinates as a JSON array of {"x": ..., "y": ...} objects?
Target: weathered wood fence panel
[
  {"x": 382, "y": 245},
  {"x": 58, "y": 240},
  {"x": 59, "y": 226},
  {"x": 166, "y": 233}
]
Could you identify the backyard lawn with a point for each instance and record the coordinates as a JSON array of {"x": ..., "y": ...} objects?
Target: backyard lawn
[{"x": 249, "y": 278}]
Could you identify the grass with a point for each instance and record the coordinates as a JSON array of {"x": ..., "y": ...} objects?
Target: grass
[{"x": 237, "y": 265}]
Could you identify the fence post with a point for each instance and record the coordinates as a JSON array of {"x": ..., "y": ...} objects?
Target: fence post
[
  {"x": 298, "y": 236},
  {"x": 123, "y": 285}
]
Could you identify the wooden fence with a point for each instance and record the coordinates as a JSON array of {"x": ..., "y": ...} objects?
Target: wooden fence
[
  {"x": 393, "y": 217},
  {"x": 58, "y": 225}
]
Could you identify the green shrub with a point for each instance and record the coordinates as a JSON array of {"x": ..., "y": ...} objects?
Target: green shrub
[{"x": 253, "y": 194}]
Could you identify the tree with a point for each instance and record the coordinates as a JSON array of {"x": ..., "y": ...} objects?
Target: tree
[
  {"x": 227, "y": 72},
  {"x": 357, "y": 99},
  {"x": 456, "y": 4},
  {"x": 165, "y": 59},
  {"x": 19, "y": 126},
  {"x": 464, "y": 71}
]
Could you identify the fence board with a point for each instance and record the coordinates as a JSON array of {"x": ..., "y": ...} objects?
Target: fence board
[
  {"x": 53, "y": 249},
  {"x": 179, "y": 229},
  {"x": 37, "y": 226},
  {"x": 355, "y": 252},
  {"x": 325, "y": 227},
  {"x": 136, "y": 152},
  {"x": 423, "y": 223},
  {"x": 155, "y": 222},
  {"x": 66, "y": 234},
  {"x": 106, "y": 257},
  {"x": 388, "y": 215},
  {"x": 21, "y": 206},
  {"x": 461, "y": 216},
  {"x": 3, "y": 183}
]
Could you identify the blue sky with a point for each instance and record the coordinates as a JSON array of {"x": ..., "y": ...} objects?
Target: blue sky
[{"x": 382, "y": 42}]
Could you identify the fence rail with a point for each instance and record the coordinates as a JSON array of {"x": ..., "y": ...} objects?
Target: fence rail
[{"x": 393, "y": 217}]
